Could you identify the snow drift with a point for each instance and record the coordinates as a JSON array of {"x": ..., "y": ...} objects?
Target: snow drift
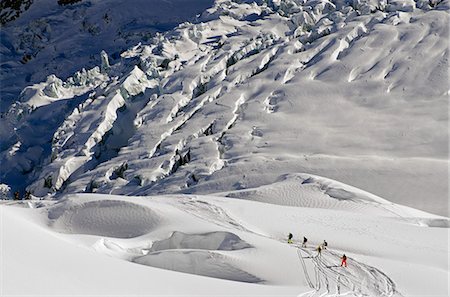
[
  {"x": 240, "y": 245},
  {"x": 103, "y": 218}
]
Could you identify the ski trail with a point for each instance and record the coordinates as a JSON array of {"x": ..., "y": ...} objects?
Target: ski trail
[
  {"x": 308, "y": 280},
  {"x": 211, "y": 213},
  {"x": 359, "y": 278}
]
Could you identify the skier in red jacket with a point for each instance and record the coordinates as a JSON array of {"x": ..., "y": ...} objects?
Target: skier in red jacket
[{"x": 344, "y": 260}]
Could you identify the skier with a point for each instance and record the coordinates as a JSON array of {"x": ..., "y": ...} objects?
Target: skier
[
  {"x": 319, "y": 250},
  {"x": 16, "y": 195},
  {"x": 324, "y": 244},
  {"x": 27, "y": 195},
  {"x": 304, "y": 241},
  {"x": 290, "y": 237},
  {"x": 344, "y": 260}
]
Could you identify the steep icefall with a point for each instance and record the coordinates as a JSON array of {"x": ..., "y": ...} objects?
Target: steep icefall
[{"x": 203, "y": 88}]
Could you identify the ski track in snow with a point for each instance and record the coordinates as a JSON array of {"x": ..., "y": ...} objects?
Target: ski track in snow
[
  {"x": 358, "y": 278},
  {"x": 225, "y": 238},
  {"x": 211, "y": 213}
]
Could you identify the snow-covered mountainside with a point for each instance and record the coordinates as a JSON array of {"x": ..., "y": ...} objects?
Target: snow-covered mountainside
[
  {"x": 12, "y": 9},
  {"x": 62, "y": 36},
  {"x": 177, "y": 163},
  {"x": 354, "y": 91}
]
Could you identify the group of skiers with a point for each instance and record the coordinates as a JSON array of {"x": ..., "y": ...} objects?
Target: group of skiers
[
  {"x": 320, "y": 247},
  {"x": 26, "y": 196}
]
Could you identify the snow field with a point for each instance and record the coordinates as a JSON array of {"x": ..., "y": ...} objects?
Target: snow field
[{"x": 238, "y": 240}]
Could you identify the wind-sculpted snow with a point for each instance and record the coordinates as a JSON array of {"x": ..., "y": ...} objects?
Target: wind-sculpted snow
[
  {"x": 306, "y": 190},
  {"x": 197, "y": 262},
  {"x": 194, "y": 253},
  {"x": 248, "y": 92},
  {"x": 101, "y": 239},
  {"x": 208, "y": 241},
  {"x": 112, "y": 218}
]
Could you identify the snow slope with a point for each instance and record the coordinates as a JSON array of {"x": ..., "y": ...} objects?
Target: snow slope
[
  {"x": 177, "y": 163},
  {"x": 214, "y": 245},
  {"x": 249, "y": 92}
]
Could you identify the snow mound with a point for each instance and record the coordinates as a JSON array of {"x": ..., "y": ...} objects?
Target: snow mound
[
  {"x": 305, "y": 190},
  {"x": 436, "y": 223},
  {"x": 312, "y": 191},
  {"x": 195, "y": 254},
  {"x": 334, "y": 189},
  {"x": 219, "y": 240},
  {"x": 197, "y": 262},
  {"x": 111, "y": 218}
]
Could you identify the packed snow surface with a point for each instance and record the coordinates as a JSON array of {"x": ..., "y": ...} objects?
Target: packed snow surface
[{"x": 91, "y": 243}]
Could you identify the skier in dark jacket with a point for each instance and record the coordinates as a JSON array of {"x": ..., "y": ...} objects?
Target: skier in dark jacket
[
  {"x": 290, "y": 237},
  {"x": 305, "y": 240},
  {"x": 324, "y": 244},
  {"x": 27, "y": 195}
]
